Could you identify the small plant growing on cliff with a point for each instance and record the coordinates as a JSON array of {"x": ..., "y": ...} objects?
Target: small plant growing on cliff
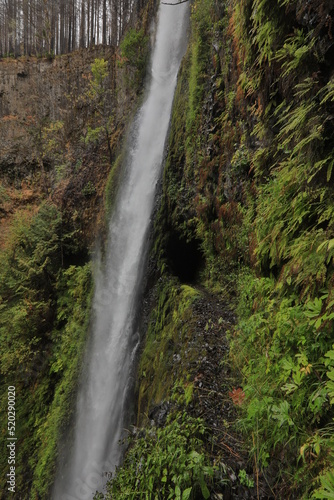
[
  {"x": 100, "y": 72},
  {"x": 89, "y": 189},
  {"x": 134, "y": 48},
  {"x": 50, "y": 55},
  {"x": 52, "y": 136},
  {"x": 99, "y": 98}
]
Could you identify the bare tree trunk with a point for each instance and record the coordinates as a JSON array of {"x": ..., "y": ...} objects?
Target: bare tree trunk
[
  {"x": 16, "y": 25},
  {"x": 98, "y": 20},
  {"x": 70, "y": 29},
  {"x": 10, "y": 27},
  {"x": 104, "y": 23},
  {"x": 114, "y": 21},
  {"x": 88, "y": 23},
  {"x": 53, "y": 27},
  {"x": 82, "y": 26},
  {"x": 25, "y": 27},
  {"x": 60, "y": 26},
  {"x": 92, "y": 34}
]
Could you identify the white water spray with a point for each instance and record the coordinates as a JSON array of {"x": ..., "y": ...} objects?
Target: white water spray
[{"x": 101, "y": 404}]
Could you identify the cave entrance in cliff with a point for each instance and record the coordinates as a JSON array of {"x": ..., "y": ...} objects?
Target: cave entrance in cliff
[{"x": 185, "y": 258}]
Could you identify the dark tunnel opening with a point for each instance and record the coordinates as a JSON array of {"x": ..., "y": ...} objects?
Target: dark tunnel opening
[{"x": 185, "y": 258}]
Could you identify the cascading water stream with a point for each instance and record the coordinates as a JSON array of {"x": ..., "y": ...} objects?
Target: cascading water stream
[{"x": 101, "y": 404}]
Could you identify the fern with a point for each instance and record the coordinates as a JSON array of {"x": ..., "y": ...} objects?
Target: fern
[
  {"x": 327, "y": 92},
  {"x": 326, "y": 490},
  {"x": 295, "y": 50}
]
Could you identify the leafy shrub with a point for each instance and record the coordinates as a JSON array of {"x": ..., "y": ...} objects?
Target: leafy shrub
[
  {"x": 134, "y": 48},
  {"x": 100, "y": 72},
  {"x": 326, "y": 490},
  {"x": 134, "y": 52},
  {"x": 166, "y": 463},
  {"x": 282, "y": 350}
]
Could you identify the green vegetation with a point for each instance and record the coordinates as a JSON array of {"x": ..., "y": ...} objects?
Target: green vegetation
[
  {"x": 168, "y": 334},
  {"x": 74, "y": 290},
  {"x": 101, "y": 125},
  {"x": 287, "y": 366},
  {"x": 88, "y": 189},
  {"x": 43, "y": 322},
  {"x": 165, "y": 463},
  {"x": 112, "y": 184},
  {"x": 134, "y": 54},
  {"x": 283, "y": 343}
]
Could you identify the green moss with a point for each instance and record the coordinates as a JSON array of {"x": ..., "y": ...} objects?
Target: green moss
[
  {"x": 199, "y": 48},
  {"x": 112, "y": 184},
  {"x": 169, "y": 332}
]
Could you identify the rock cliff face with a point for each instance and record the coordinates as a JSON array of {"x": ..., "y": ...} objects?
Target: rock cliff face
[
  {"x": 34, "y": 92},
  {"x": 20, "y": 80}
]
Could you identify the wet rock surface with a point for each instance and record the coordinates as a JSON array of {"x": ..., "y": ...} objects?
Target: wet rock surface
[{"x": 159, "y": 413}]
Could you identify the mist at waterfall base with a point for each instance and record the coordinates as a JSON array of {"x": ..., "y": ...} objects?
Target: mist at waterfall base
[{"x": 101, "y": 404}]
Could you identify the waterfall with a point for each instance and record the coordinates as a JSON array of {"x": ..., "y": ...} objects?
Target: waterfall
[{"x": 101, "y": 405}]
